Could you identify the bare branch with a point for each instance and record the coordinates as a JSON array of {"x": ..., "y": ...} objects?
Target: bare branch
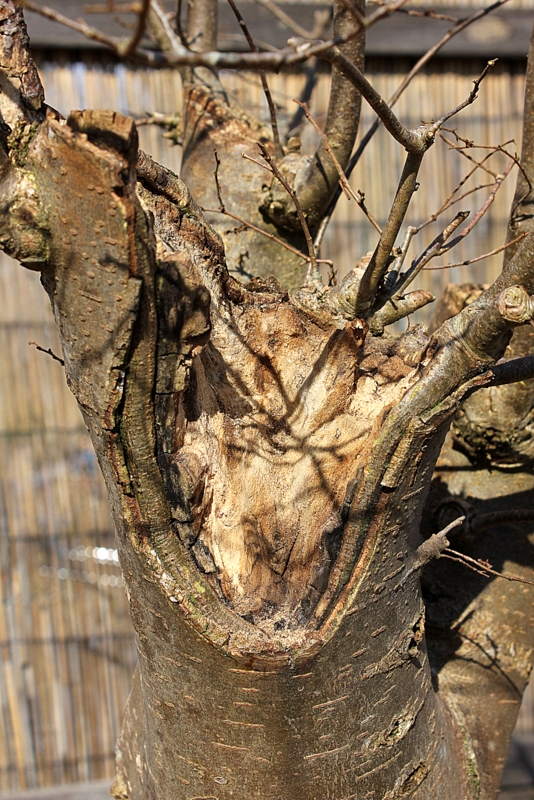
[
  {"x": 295, "y": 53},
  {"x": 427, "y": 12},
  {"x": 279, "y": 153},
  {"x": 222, "y": 210},
  {"x": 434, "y": 249},
  {"x": 162, "y": 30},
  {"x": 473, "y": 94},
  {"x": 395, "y": 309},
  {"x": 402, "y": 251},
  {"x": 379, "y": 262},
  {"x": 202, "y": 25},
  {"x": 482, "y": 210},
  {"x": 462, "y": 150},
  {"x": 477, "y": 258},
  {"x": 486, "y": 325},
  {"x": 359, "y": 196},
  {"x": 513, "y": 371},
  {"x": 142, "y": 12},
  {"x": 462, "y": 25},
  {"x": 411, "y": 140},
  {"x": 342, "y": 178},
  {"x": 342, "y": 118},
  {"x": 322, "y": 19},
  {"x": 439, "y": 245},
  {"x": 48, "y": 351},
  {"x": 480, "y": 566},
  {"x": 287, "y": 21},
  {"x": 434, "y": 545},
  {"x": 450, "y": 202},
  {"x": 117, "y": 44},
  {"x": 271, "y": 236},
  {"x": 416, "y": 142},
  {"x": 138, "y": 34},
  {"x": 291, "y": 192},
  {"x": 166, "y": 183},
  {"x": 107, "y": 8},
  {"x": 217, "y": 183}
]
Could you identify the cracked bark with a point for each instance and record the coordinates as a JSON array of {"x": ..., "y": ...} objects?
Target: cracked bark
[{"x": 268, "y": 460}]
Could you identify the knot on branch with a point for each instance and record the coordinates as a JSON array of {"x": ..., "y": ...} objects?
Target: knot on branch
[{"x": 515, "y": 305}]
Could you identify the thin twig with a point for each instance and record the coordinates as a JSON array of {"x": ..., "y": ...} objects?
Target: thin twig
[
  {"x": 131, "y": 45},
  {"x": 429, "y": 14},
  {"x": 48, "y": 352},
  {"x": 482, "y": 210},
  {"x": 462, "y": 25},
  {"x": 307, "y": 91},
  {"x": 217, "y": 184},
  {"x": 321, "y": 21},
  {"x": 279, "y": 152},
  {"x": 157, "y": 118},
  {"x": 477, "y": 258},
  {"x": 478, "y": 164},
  {"x": 291, "y": 192},
  {"x": 378, "y": 265},
  {"x": 115, "y": 8},
  {"x": 359, "y": 196},
  {"x": 439, "y": 246},
  {"x": 381, "y": 257},
  {"x": 431, "y": 548},
  {"x": 271, "y": 236},
  {"x": 413, "y": 141},
  {"x": 449, "y": 202},
  {"x": 245, "y": 223},
  {"x": 286, "y": 19},
  {"x": 182, "y": 34},
  {"x": 434, "y": 249},
  {"x": 473, "y": 94},
  {"x": 470, "y": 144},
  {"x": 402, "y": 250},
  {"x": 342, "y": 178},
  {"x": 163, "y": 31},
  {"x": 349, "y": 192},
  {"x": 500, "y": 148},
  {"x": 480, "y": 566},
  {"x": 294, "y": 54}
]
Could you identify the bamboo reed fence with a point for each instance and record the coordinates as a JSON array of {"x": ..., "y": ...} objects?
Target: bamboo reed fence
[{"x": 67, "y": 651}]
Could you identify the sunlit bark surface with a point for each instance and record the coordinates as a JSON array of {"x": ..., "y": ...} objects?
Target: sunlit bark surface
[{"x": 268, "y": 460}]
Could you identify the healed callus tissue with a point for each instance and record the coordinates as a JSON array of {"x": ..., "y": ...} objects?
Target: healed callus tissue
[{"x": 268, "y": 458}]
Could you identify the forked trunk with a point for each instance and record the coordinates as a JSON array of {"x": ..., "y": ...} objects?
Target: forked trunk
[{"x": 267, "y": 459}]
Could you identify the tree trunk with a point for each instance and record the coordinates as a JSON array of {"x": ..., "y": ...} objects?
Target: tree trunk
[{"x": 267, "y": 460}]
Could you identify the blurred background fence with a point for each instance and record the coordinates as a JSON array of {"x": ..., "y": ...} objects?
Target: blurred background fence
[{"x": 67, "y": 651}]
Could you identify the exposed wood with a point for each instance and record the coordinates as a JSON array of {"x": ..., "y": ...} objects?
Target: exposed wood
[{"x": 267, "y": 458}]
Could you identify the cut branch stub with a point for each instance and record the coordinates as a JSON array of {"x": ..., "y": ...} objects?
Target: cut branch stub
[{"x": 515, "y": 305}]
